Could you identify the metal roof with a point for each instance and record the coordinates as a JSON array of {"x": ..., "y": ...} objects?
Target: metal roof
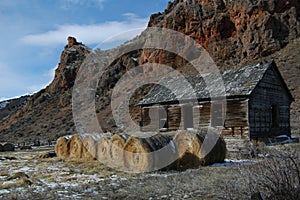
[{"x": 229, "y": 83}]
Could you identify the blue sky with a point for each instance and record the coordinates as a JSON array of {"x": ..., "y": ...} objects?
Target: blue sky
[{"x": 34, "y": 32}]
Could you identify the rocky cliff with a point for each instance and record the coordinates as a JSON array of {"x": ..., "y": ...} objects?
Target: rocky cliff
[{"x": 233, "y": 32}]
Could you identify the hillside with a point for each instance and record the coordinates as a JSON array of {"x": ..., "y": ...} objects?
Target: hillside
[
  {"x": 9, "y": 106},
  {"x": 233, "y": 33}
]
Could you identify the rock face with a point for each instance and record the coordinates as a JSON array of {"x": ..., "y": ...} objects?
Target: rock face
[
  {"x": 70, "y": 61},
  {"x": 231, "y": 31}
]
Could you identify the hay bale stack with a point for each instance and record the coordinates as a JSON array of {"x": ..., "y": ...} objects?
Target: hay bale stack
[
  {"x": 202, "y": 147},
  {"x": 8, "y": 147},
  {"x": 148, "y": 154},
  {"x": 61, "y": 148},
  {"x": 75, "y": 147},
  {"x": 188, "y": 146},
  {"x": 117, "y": 149},
  {"x": 1, "y": 148},
  {"x": 89, "y": 148},
  {"x": 103, "y": 150}
]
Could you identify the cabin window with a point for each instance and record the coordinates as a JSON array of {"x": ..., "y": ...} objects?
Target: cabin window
[
  {"x": 274, "y": 116},
  {"x": 217, "y": 114},
  {"x": 163, "y": 118},
  {"x": 188, "y": 116}
]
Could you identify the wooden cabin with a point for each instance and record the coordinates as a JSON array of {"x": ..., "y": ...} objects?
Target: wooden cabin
[{"x": 255, "y": 103}]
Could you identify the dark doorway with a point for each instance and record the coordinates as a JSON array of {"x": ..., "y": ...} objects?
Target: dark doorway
[{"x": 274, "y": 116}]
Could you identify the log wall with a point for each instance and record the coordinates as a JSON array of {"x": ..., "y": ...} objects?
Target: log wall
[
  {"x": 202, "y": 115},
  {"x": 269, "y": 107},
  {"x": 235, "y": 117},
  {"x": 175, "y": 118}
]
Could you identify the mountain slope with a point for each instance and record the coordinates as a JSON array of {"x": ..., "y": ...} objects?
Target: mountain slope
[{"x": 233, "y": 32}]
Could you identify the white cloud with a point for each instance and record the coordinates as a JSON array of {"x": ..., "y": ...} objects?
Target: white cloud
[
  {"x": 89, "y": 34},
  {"x": 67, "y": 4}
]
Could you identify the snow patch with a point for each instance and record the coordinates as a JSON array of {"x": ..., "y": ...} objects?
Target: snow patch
[
  {"x": 8, "y": 182},
  {"x": 3, "y": 104},
  {"x": 68, "y": 185},
  {"x": 4, "y": 191},
  {"x": 135, "y": 59},
  {"x": 114, "y": 177},
  {"x": 24, "y": 169},
  {"x": 228, "y": 163}
]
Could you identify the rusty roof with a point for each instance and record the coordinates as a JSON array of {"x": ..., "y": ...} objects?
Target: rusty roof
[{"x": 229, "y": 83}]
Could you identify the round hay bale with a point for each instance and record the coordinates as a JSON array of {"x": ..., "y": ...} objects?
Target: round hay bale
[
  {"x": 75, "y": 147},
  {"x": 214, "y": 147},
  {"x": 103, "y": 150},
  {"x": 201, "y": 147},
  {"x": 89, "y": 148},
  {"x": 188, "y": 146},
  {"x": 117, "y": 149},
  {"x": 149, "y": 154},
  {"x": 136, "y": 155},
  {"x": 1, "y": 148},
  {"x": 8, "y": 147},
  {"x": 61, "y": 148}
]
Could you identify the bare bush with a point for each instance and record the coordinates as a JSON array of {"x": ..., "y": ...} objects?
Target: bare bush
[{"x": 275, "y": 177}]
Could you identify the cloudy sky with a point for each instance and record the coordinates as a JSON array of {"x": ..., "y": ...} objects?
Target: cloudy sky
[{"x": 33, "y": 34}]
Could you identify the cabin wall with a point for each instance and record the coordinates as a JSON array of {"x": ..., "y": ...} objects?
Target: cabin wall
[
  {"x": 236, "y": 120},
  {"x": 202, "y": 115},
  {"x": 175, "y": 118},
  {"x": 269, "y": 107},
  {"x": 234, "y": 114}
]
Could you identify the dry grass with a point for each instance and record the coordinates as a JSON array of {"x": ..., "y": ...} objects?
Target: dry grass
[
  {"x": 54, "y": 178},
  {"x": 277, "y": 176}
]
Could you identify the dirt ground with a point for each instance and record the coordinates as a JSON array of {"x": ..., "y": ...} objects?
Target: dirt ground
[{"x": 24, "y": 176}]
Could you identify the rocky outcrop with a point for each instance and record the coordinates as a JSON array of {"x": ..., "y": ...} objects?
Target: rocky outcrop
[
  {"x": 70, "y": 61},
  {"x": 231, "y": 31}
]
